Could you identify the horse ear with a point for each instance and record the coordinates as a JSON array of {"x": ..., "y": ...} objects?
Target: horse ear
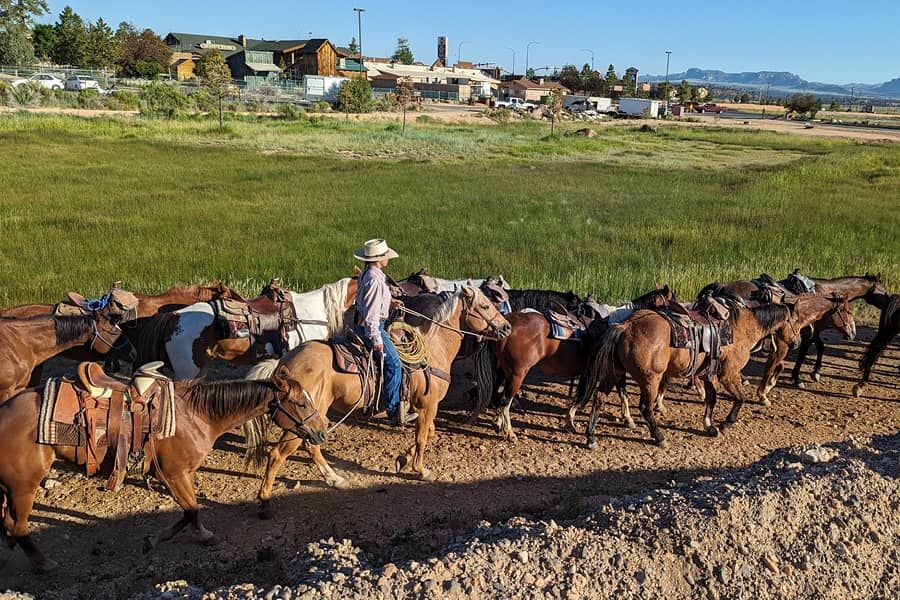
[
  {"x": 469, "y": 282},
  {"x": 468, "y": 291},
  {"x": 665, "y": 289}
]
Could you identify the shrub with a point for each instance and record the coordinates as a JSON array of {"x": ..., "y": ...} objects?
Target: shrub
[
  {"x": 501, "y": 115},
  {"x": 123, "y": 100},
  {"x": 424, "y": 119},
  {"x": 89, "y": 98},
  {"x": 205, "y": 102},
  {"x": 6, "y": 97},
  {"x": 356, "y": 95},
  {"x": 321, "y": 106},
  {"x": 27, "y": 94},
  {"x": 161, "y": 100},
  {"x": 290, "y": 112}
]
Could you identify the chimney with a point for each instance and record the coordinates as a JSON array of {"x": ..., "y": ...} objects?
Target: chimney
[
  {"x": 541, "y": 81},
  {"x": 243, "y": 40}
]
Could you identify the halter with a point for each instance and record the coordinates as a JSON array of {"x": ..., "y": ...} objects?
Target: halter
[
  {"x": 467, "y": 309},
  {"x": 299, "y": 424}
]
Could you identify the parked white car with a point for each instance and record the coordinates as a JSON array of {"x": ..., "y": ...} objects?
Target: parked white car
[
  {"x": 46, "y": 80},
  {"x": 516, "y": 104},
  {"x": 76, "y": 83}
]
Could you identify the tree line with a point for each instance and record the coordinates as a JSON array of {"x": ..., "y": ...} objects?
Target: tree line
[{"x": 75, "y": 42}]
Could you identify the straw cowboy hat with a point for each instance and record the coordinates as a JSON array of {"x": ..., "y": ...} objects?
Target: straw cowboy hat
[{"x": 375, "y": 250}]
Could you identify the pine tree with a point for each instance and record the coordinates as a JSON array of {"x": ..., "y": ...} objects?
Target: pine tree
[
  {"x": 21, "y": 12},
  {"x": 100, "y": 49},
  {"x": 612, "y": 80},
  {"x": 353, "y": 47},
  {"x": 585, "y": 78},
  {"x": 43, "y": 36},
  {"x": 403, "y": 54},
  {"x": 71, "y": 39},
  {"x": 15, "y": 48}
]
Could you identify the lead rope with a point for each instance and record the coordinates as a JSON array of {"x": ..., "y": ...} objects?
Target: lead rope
[{"x": 450, "y": 327}]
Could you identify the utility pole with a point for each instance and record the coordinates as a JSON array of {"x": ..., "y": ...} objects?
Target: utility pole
[
  {"x": 666, "y": 93},
  {"x": 527, "y": 51},
  {"x": 514, "y": 61},
  {"x": 359, "y": 12},
  {"x": 459, "y": 50},
  {"x": 592, "y": 57}
]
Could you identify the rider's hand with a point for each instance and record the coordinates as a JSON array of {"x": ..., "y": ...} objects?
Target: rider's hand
[
  {"x": 396, "y": 303},
  {"x": 379, "y": 347}
]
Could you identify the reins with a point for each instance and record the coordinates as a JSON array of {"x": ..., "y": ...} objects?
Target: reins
[{"x": 461, "y": 332}]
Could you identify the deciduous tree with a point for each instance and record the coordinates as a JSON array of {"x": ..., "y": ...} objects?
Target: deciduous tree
[
  {"x": 803, "y": 104},
  {"x": 141, "y": 54},
  {"x": 570, "y": 78},
  {"x": 217, "y": 79}
]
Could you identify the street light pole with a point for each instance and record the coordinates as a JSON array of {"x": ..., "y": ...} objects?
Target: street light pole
[
  {"x": 459, "y": 50},
  {"x": 359, "y": 12},
  {"x": 513, "y": 50},
  {"x": 666, "y": 93},
  {"x": 592, "y": 57},
  {"x": 527, "y": 56}
]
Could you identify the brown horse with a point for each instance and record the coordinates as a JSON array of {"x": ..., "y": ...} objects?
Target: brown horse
[
  {"x": 204, "y": 411},
  {"x": 149, "y": 305},
  {"x": 309, "y": 373},
  {"x": 852, "y": 287},
  {"x": 888, "y": 328},
  {"x": 640, "y": 347},
  {"x": 26, "y": 343},
  {"x": 531, "y": 345},
  {"x": 830, "y": 312}
]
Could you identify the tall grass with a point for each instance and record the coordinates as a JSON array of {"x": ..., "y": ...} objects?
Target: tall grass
[{"x": 86, "y": 202}]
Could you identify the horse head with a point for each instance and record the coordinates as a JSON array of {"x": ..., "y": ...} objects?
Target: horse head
[
  {"x": 109, "y": 311},
  {"x": 295, "y": 410},
  {"x": 480, "y": 315},
  {"x": 841, "y": 318}
]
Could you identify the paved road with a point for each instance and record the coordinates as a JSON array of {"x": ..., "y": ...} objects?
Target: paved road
[{"x": 749, "y": 116}]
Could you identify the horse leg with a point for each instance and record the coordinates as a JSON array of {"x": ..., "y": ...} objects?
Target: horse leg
[
  {"x": 182, "y": 487},
  {"x": 286, "y": 446},
  {"x": 876, "y": 347},
  {"x": 623, "y": 398},
  {"x": 774, "y": 366},
  {"x": 699, "y": 387},
  {"x": 805, "y": 340},
  {"x": 709, "y": 405},
  {"x": 331, "y": 478},
  {"x": 820, "y": 351},
  {"x": 423, "y": 425},
  {"x": 19, "y": 509},
  {"x": 649, "y": 393},
  {"x": 663, "y": 386},
  {"x": 596, "y": 402},
  {"x": 512, "y": 386},
  {"x": 732, "y": 384}
]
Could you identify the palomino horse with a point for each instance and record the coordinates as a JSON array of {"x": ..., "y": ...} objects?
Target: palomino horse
[
  {"x": 531, "y": 345},
  {"x": 187, "y": 339},
  {"x": 888, "y": 328},
  {"x": 309, "y": 374},
  {"x": 867, "y": 287},
  {"x": 204, "y": 411},
  {"x": 830, "y": 312},
  {"x": 27, "y": 342},
  {"x": 149, "y": 305},
  {"x": 640, "y": 347}
]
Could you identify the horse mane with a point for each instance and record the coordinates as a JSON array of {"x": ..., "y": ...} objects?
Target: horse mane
[
  {"x": 334, "y": 295},
  {"x": 770, "y": 315},
  {"x": 538, "y": 299},
  {"x": 219, "y": 399},
  {"x": 70, "y": 328},
  {"x": 447, "y": 306},
  {"x": 427, "y": 304},
  {"x": 646, "y": 301}
]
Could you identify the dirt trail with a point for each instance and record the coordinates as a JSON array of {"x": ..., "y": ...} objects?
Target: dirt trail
[{"x": 97, "y": 536}]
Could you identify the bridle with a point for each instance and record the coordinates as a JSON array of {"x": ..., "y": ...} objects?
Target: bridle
[
  {"x": 491, "y": 333},
  {"x": 300, "y": 427}
]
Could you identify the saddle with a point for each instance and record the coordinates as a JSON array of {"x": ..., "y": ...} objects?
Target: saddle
[
  {"x": 566, "y": 324},
  {"x": 109, "y": 421},
  {"x": 704, "y": 329},
  {"x": 267, "y": 321},
  {"x": 797, "y": 283},
  {"x": 418, "y": 283}
]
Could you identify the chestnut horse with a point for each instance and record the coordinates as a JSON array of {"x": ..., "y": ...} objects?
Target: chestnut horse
[
  {"x": 852, "y": 287},
  {"x": 309, "y": 374},
  {"x": 28, "y": 342},
  {"x": 149, "y": 305},
  {"x": 640, "y": 347},
  {"x": 888, "y": 328},
  {"x": 204, "y": 412},
  {"x": 530, "y": 345},
  {"x": 188, "y": 339},
  {"x": 830, "y": 312}
]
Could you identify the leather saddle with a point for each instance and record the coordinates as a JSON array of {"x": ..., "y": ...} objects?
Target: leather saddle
[
  {"x": 705, "y": 331},
  {"x": 798, "y": 283},
  {"x": 566, "y": 324},
  {"x": 108, "y": 420},
  {"x": 420, "y": 282},
  {"x": 266, "y": 321}
]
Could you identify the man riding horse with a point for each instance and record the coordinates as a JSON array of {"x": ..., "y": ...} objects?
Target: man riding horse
[{"x": 373, "y": 303}]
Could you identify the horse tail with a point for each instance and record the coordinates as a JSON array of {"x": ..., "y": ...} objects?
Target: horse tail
[
  {"x": 262, "y": 371},
  {"x": 888, "y": 327},
  {"x": 485, "y": 370},
  {"x": 151, "y": 343},
  {"x": 600, "y": 372}
]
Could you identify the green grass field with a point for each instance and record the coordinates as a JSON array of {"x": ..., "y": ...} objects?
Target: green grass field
[{"x": 152, "y": 203}]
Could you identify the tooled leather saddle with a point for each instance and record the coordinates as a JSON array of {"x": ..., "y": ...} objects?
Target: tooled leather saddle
[
  {"x": 109, "y": 421},
  {"x": 700, "y": 328},
  {"x": 267, "y": 321}
]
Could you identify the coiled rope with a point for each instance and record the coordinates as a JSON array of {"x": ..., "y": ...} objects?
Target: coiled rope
[{"x": 408, "y": 341}]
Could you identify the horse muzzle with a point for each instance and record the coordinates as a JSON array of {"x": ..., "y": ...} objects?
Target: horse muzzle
[
  {"x": 504, "y": 331},
  {"x": 316, "y": 438}
]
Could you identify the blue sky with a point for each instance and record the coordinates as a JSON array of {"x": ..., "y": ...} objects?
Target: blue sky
[{"x": 830, "y": 41}]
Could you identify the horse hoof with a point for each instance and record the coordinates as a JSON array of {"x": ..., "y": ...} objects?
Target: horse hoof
[
  {"x": 816, "y": 376},
  {"x": 426, "y": 475},
  {"x": 210, "y": 541},
  {"x": 265, "y": 513},
  {"x": 400, "y": 463},
  {"x": 46, "y": 567},
  {"x": 149, "y": 544},
  {"x": 712, "y": 431},
  {"x": 592, "y": 444},
  {"x": 765, "y": 401},
  {"x": 857, "y": 391},
  {"x": 799, "y": 384},
  {"x": 630, "y": 424},
  {"x": 661, "y": 443},
  {"x": 339, "y": 484}
]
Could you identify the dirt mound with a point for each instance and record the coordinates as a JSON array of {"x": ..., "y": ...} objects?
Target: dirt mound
[{"x": 802, "y": 522}]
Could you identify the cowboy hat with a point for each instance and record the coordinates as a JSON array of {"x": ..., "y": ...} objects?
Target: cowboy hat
[{"x": 374, "y": 250}]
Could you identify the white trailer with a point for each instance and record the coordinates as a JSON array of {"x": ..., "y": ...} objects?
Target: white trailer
[
  {"x": 322, "y": 87},
  {"x": 639, "y": 107}
]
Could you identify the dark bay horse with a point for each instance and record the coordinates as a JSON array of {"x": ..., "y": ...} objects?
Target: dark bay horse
[
  {"x": 308, "y": 372},
  {"x": 531, "y": 346},
  {"x": 204, "y": 412},
  {"x": 888, "y": 328},
  {"x": 25, "y": 343},
  {"x": 852, "y": 287},
  {"x": 640, "y": 347}
]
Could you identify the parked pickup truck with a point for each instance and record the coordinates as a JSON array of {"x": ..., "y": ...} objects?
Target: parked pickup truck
[
  {"x": 516, "y": 104},
  {"x": 710, "y": 108}
]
